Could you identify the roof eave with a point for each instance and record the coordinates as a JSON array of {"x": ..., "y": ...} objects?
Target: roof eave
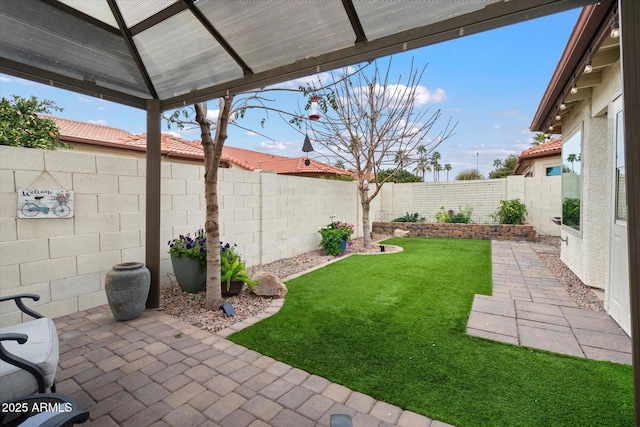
[{"x": 587, "y": 27}]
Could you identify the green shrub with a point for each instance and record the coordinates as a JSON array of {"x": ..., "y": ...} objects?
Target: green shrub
[
  {"x": 442, "y": 215},
  {"x": 414, "y": 217},
  {"x": 510, "y": 212},
  {"x": 462, "y": 217}
]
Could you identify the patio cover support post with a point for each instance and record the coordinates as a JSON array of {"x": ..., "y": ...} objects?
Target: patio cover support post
[
  {"x": 152, "y": 207},
  {"x": 630, "y": 53}
]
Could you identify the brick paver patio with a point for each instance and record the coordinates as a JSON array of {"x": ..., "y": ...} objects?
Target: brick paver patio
[
  {"x": 530, "y": 307},
  {"x": 157, "y": 370}
]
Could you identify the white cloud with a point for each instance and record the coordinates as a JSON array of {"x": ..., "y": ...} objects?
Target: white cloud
[
  {"x": 496, "y": 127},
  {"x": 98, "y": 122},
  {"x": 251, "y": 133},
  {"x": 397, "y": 94},
  {"x": 101, "y": 109},
  {"x": 174, "y": 133},
  {"x": 84, "y": 99},
  {"x": 425, "y": 96},
  {"x": 4, "y": 79},
  {"x": 273, "y": 146}
]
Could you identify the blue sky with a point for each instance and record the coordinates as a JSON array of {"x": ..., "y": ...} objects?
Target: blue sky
[{"x": 490, "y": 83}]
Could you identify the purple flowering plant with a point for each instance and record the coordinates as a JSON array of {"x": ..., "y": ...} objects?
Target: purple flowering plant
[{"x": 190, "y": 247}]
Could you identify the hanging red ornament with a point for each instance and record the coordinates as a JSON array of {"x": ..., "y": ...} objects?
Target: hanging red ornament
[{"x": 314, "y": 109}]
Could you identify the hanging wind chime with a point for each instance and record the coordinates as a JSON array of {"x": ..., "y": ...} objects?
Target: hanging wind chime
[{"x": 306, "y": 146}]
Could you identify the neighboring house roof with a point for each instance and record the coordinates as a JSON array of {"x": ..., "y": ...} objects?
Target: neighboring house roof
[
  {"x": 253, "y": 160},
  {"x": 173, "y": 146},
  {"x": 548, "y": 149},
  {"x": 73, "y": 131}
]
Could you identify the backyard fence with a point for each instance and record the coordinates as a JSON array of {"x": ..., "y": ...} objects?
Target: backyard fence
[{"x": 269, "y": 216}]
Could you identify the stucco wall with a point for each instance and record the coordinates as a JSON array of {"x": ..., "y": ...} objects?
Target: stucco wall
[
  {"x": 587, "y": 252},
  {"x": 269, "y": 216}
]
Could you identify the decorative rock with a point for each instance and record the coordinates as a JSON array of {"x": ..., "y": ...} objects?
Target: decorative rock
[
  {"x": 400, "y": 233},
  {"x": 269, "y": 285}
]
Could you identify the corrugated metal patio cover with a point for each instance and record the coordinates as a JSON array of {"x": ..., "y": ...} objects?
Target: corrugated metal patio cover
[{"x": 182, "y": 51}]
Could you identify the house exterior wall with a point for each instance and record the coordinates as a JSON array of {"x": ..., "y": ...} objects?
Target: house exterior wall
[
  {"x": 540, "y": 165},
  {"x": 586, "y": 252},
  {"x": 65, "y": 260}
]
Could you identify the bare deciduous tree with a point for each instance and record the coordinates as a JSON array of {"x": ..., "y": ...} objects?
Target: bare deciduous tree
[{"x": 369, "y": 120}]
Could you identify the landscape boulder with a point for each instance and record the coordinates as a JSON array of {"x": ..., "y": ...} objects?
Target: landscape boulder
[
  {"x": 400, "y": 233},
  {"x": 269, "y": 285}
]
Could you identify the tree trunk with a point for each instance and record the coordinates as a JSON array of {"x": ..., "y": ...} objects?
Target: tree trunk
[
  {"x": 212, "y": 154},
  {"x": 364, "y": 201}
]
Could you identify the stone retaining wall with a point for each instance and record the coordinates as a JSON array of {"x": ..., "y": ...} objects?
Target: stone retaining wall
[{"x": 459, "y": 231}]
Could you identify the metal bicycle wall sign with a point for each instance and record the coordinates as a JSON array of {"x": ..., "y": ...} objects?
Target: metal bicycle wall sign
[{"x": 44, "y": 203}]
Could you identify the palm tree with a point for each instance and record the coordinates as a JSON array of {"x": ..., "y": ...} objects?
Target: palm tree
[
  {"x": 447, "y": 167},
  {"x": 540, "y": 138},
  {"x": 340, "y": 164},
  {"x": 434, "y": 162},
  {"x": 497, "y": 163},
  {"x": 572, "y": 158},
  {"x": 422, "y": 166}
]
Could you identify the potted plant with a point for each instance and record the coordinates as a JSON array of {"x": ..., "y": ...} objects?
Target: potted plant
[
  {"x": 335, "y": 237},
  {"x": 233, "y": 273},
  {"x": 189, "y": 260}
]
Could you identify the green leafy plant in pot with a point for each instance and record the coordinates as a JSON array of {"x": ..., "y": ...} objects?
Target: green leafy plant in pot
[
  {"x": 335, "y": 237},
  {"x": 232, "y": 269}
]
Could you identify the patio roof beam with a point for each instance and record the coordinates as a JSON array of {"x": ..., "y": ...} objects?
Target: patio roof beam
[
  {"x": 128, "y": 39},
  {"x": 355, "y": 21}
]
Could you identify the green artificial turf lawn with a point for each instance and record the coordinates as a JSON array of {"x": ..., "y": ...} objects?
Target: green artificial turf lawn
[{"x": 393, "y": 327}]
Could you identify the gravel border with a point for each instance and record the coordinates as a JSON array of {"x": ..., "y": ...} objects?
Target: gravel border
[{"x": 190, "y": 307}]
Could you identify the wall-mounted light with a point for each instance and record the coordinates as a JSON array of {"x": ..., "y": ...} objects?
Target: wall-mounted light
[
  {"x": 558, "y": 118},
  {"x": 563, "y": 105},
  {"x": 615, "y": 30},
  {"x": 588, "y": 67},
  {"x": 574, "y": 88},
  {"x": 551, "y": 127}
]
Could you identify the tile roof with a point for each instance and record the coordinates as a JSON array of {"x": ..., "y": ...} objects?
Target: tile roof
[
  {"x": 253, "y": 160},
  {"x": 548, "y": 149},
  {"x": 72, "y": 130},
  {"x": 173, "y": 146}
]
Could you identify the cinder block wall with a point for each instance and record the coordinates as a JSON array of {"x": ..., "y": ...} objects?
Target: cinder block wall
[
  {"x": 268, "y": 216},
  {"x": 65, "y": 260},
  {"x": 541, "y": 195}
]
